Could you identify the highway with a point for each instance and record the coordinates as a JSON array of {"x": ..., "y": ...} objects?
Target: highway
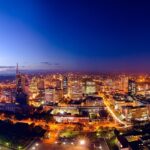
[
  {"x": 114, "y": 115},
  {"x": 126, "y": 125}
]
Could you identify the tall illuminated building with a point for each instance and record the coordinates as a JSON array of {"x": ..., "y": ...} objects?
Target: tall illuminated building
[
  {"x": 65, "y": 85},
  {"x": 33, "y": 88},
  {"x": 53, "y": 95},
  {"x": 58, "y": 95},
  {"x": 90, "y": 87},
  {"x": 41, "y": 88},
  {"x": 58, "y": 84},
  {"x": 132, "y": 87},
  {"x": 40, "y": 84},
  {"x": 76, "y": 90},
  {"x": 49, "y": 95},
  {"x": 124, "y": 84},
  {"x": 21, "y": 96}
]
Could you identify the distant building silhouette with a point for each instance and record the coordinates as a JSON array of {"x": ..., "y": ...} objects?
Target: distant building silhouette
[{"x": 21, "y": 95}]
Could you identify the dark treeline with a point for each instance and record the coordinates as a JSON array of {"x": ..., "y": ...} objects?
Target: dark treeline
[{"x": 19, "y": 134}]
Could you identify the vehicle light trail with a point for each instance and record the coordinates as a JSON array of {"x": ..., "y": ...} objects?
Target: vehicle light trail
[{"x": 114, "y": 116}]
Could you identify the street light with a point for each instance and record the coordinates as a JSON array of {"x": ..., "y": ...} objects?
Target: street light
[
  {"x": 37, "y": 144},
  {"x": 7, "y": 144},
  {"x": 19, "y": 147},
  {"x": 62, "y": 112},
  {"x": 49, "y": 135},
  {"x": 33, "y": 148},
  {"x": 82, "y": 142},
  {"x": 100, "y": 147}
]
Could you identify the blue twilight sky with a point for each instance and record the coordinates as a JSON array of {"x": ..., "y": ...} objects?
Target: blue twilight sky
[{"x": 87, "y": 35}]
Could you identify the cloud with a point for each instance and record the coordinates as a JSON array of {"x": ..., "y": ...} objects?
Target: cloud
[
  {"x": 46, "y": 63},
  {"x": 55, "y": 65},
  {"x": 7, "y": 67},
  {"x": 3, "y": 68},
  {"x": 50, "y": 64}
]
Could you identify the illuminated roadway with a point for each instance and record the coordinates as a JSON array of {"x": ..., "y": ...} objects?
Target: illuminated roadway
[{"x": 114, "y": 115}]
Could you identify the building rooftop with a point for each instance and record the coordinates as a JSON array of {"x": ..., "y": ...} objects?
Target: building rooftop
[
  {"x": 133, "y": 107},
  {"x": 146, "y": 101}
]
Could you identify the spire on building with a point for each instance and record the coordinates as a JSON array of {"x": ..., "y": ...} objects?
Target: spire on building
[{"x": 17, "y": 69}]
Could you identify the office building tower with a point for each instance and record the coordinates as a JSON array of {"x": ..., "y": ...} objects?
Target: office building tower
[
  {"x": 65, "y": 85},
  {"x": 21, "y": 96},
  {"x": 49, "y": 95},
  {"x": 132, "y": 87},
  {"x": 76, "y": 90},
  {"x": 90, "y": 87}
]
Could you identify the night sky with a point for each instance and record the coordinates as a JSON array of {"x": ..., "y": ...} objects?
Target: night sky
[{"x": 75, "y": 35}]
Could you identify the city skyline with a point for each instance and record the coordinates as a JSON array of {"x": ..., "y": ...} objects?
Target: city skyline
[
  {"x": 74, "y": 36},
  {"x": 74, "y": 75}
]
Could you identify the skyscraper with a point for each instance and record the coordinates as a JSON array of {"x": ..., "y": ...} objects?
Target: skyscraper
[
  {"x": 90, "y": 87},
  {"x": 132, "y": 87},
  {"x": 21, "y": 96},
  {"x": 49, "y": 95},
  {"x": 76, "y": 89},
  {"x": 65, "y": 85}
]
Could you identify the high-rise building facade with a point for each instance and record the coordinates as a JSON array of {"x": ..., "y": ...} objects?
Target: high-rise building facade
[
  {"x": 65, "y": 85},
  {"x": 132, "y": 87},
  {"x": 90, "y": 87},
  {"x": 21, "y": 82}
]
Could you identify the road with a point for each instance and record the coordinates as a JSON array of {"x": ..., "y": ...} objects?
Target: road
[
  {"x": 44, "y": 146},
  {"x": 115, "y": 117}
]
